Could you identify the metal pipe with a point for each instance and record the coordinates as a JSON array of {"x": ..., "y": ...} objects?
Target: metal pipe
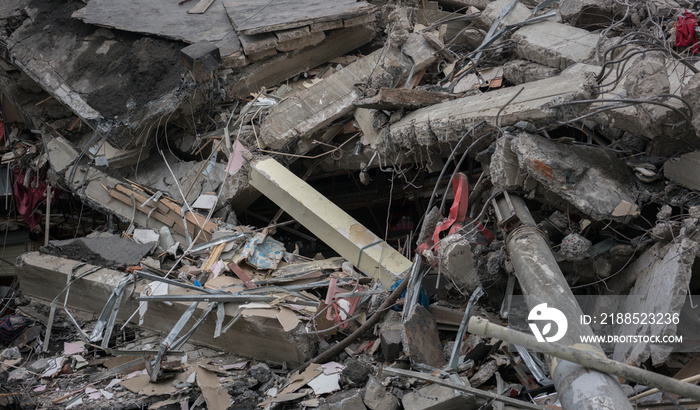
[
  {"x": 542, "y": 281},
  {"x": 587, "y": 358}
]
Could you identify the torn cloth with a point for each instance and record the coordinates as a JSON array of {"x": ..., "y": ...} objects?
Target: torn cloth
[
  {"x": 685, "y": 31},
  {"x": 27, "y": 198}
]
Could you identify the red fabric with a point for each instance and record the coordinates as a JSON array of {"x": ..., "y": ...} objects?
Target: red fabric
[
  {"x": 685, "y": 31},
  {"x": 458, "y": 214},
  {"x": 28, "y": 198}
]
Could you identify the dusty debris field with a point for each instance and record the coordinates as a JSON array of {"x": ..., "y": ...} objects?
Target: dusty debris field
[{"x": 451, "y": 204}]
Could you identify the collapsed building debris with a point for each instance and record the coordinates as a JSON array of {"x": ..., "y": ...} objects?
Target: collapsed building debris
[{"x": 303, "y": 204}]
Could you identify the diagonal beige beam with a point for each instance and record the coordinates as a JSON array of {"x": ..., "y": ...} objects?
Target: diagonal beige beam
[{"x": 369, "y": 253}]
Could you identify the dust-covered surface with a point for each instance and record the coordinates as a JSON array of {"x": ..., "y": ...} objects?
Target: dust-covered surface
[{"x": 102, "y": 74}]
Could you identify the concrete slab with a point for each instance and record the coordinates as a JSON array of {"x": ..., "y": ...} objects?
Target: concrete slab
[
  {"x": 114, "y": 250},
  {"x": 319, "y": 105},
  {"x": 44, "y": 277},
  {"x": 554, "y": 44},
  {"x": 448, "y": 121}
]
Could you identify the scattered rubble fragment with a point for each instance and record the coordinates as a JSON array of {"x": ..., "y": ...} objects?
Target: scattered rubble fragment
[{"x": 450, "y": 204}]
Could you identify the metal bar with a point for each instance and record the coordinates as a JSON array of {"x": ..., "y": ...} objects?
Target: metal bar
[
  {"x": 588, "y": 359},
  {"x": 48, "y": 214},
  {"x": 223, "y": 239},
  {"x": 454, "y": 358},
  {"x": 219, "y": 298},
  {"x": 167, "y": 342},
  {"x": 542, "y": 281},
  {"x": 477, "y": 392}
]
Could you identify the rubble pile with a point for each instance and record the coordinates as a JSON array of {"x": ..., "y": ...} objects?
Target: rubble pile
[{"x": 349, "y": 205}]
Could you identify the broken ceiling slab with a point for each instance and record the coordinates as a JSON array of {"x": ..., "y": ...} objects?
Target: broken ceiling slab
[
  {"x": 592, "y": 179},
  {"x": 326, "y": 101},
  {"x": 448, "y": 121},
  {"x": 662, "y": 281},
  {"x": 164, "y": 18},
  {"x": 328, "y": 222},
  {"x": 44, "y": 276},
  {"x": 554, "y": 44},
  {"x": 263, "y": 16},
  {"x": 403, "y": 98},
  {"x": 280, "y": 67},
  {"x": 113, "y": 250},
  {"x": 99, "y": 85}
]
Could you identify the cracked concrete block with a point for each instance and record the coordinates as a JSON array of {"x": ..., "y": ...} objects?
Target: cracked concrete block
[
  {"x": 457, "y": 263},
  {"x": 377, "y": 397},
  {"x": 554, "y": 44},
  {"x": 584, "y": 13},
  {"x": 493, "y": 10},
  {"x": 523, "y": 71},
  {"x": 662, "y": 277},
  {"x": 62, "y": 154},
  {"x": 420, "y": 338},
  {"x": 436, "y": 397},
  {"x": 504, "y": 166},
  {"x": 592, "y": 179},
  {"x": 389, "y": 330},
  {"x": 684, "y": 170},
  {"x": 448, "y": 121}
]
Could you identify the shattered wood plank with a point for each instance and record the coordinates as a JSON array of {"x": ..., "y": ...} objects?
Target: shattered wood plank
[
  {"x": 448, "y": 121},
  {"x": 401, "y": 98},
  {"x": 274, "y": 70},
  {"x": 44, "y": 276},
  {"x": 332, "y": 225},
  {"x": 262, "y": 16},
  {"x": 316, "y": 107}
]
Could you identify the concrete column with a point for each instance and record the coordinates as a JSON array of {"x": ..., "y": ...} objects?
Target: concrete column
[{"x": 543, "y": 282}]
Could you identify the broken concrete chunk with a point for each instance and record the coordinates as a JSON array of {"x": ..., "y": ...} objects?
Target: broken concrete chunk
[
  {"x": 436, "y": 397},
  {"x": 585, "y": 13},
  {"x": 420, "y": 338},
  {"x": 593, "y": 179},
  {"x": 523, "y": 71},
  {"x": 661, "y": 287},
  {"x": 684, "y": 170},
  {"x": 377, "y": 397},
  {"x": 647, "y": 76},
  {"x": 554, "y": 44},
  {"x": 390, "y": 333},
  {"x": 62, "y": 154},
  {"x": 574, "y": 247},
  {"x": 485, "y": 372},
  {"x": 456, "y": 262},
  {"x": 517, "y": 14}
]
